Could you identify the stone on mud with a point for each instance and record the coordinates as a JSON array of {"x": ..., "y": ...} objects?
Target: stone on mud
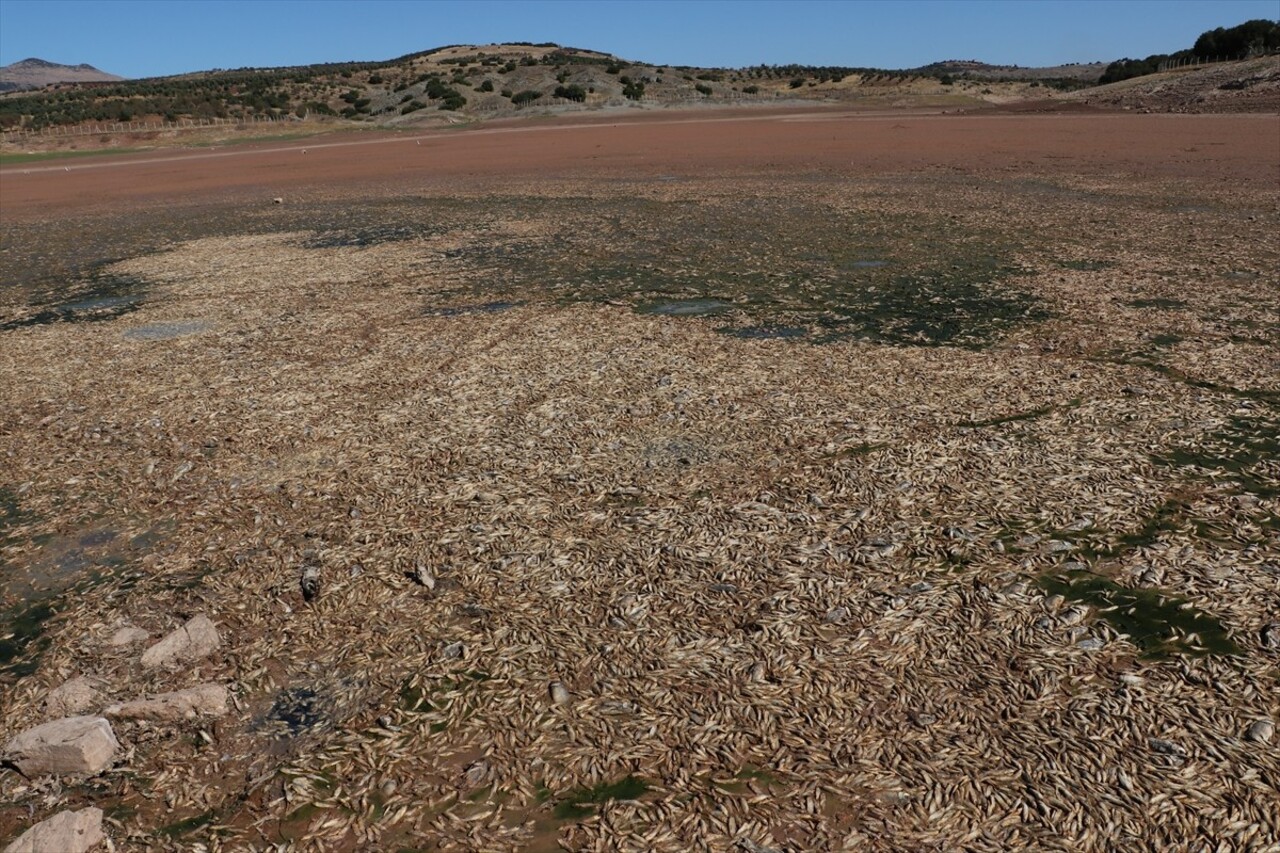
[
  {"x": 72, "y": 746},
  {"x": 71, "y": 698},
  {"x": 206, "y": 700},
  {"x": 127, "y": 636},
  {"x": 65, "y": 832},
  {"x": 192, "y": 641}
]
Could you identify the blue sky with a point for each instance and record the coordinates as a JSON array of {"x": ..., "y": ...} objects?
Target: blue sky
[{"x": 143, "y": 38}]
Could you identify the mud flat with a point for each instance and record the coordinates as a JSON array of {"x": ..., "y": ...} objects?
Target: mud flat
[{"x": 780, "y": 482}]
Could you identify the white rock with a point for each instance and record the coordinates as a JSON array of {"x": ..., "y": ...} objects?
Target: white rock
[
  {"x": 65, "y": 832},
  {"x": 192, "y": 641},
  {"x": 206, "y": 700},
  {"x": 75, "y": 745},
  {"x": 71, "y": 698},
  {"x": 559, "y": 693},
  {"x": 127, "y": 636}
]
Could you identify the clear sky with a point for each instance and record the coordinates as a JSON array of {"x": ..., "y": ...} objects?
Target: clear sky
[{"x": 145, "y": 38}]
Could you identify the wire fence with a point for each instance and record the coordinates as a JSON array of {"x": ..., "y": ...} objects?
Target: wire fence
[
  {"x": 101, "y": 128},
  {"x": 1195, "y": 62}
]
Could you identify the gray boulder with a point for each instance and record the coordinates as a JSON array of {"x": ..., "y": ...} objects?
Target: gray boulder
[
  {"x": 206, "y": 700},
  {"x": 65, "y": 832},
  {"x": 71, "y": 698},
  {"x": 192, "y": 641},
  {"x": 68, "y": 747}
]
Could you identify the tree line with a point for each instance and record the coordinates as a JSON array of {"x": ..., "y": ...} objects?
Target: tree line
[{"x": 1252, "y": 38}]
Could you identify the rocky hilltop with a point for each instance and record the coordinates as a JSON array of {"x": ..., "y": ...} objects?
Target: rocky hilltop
[{"x": 37, "y": 73}]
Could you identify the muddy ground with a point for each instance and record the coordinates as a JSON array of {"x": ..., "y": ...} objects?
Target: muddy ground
[{"x": 785, "y": 481}]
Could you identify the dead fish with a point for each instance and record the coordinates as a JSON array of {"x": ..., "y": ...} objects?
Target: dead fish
[
  {"x": 1165, "y": 747},
  {"x": 310, "y": 583},
  {"x": 476, "y": 773},
  {"x": 423, "y": 576},
  {"x": 1261, "y": 731}
]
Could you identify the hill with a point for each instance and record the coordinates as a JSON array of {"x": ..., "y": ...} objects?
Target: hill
[
  {"x": 37, "y": 73},
  {"x": 1085, "y": 73},
  {"x": 1250, "y": 85},
  {"x": 488, "y": 81},
  {"x": 463, "y": 82}
]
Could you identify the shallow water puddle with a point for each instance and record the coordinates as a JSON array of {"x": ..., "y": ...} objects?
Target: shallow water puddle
[
  {"x": 582, "y": 802},
  {"x": 765, "y": 332},
  {"x": 361, "y": 237},
  {"x": 298, "y": 709},
  {"x": 687, "y": 307},
  {"x": 167, "y": 331},
  {"x": 475, "y": 308},
  {"x": 21, "y": 641},
  {"x": 1243, "y": 451},
  {"x": 53, "y": 570},
  {"x": 1159, "y": 624},
  {"x": 102, "y": 297}
]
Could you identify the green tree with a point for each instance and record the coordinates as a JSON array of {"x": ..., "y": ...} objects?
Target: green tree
[{"x": 572, "y": 92}]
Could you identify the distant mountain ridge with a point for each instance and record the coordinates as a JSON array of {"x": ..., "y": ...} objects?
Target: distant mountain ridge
[
  {"x": 1085, "y": 72},
  {"x": 35, "y": 73}
]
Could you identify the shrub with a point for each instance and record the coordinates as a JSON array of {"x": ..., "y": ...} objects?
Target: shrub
[
  {"x": 572, "y": 93},
  {"x": 412, "y": 106},
  {"x": 947, "y": 80},
  {"x": 751, "y": 90},
  {"x": 486, "y": 86},
  {"x": 435, "y": 90},
  {"x": 706, "y": 90},
  {"x": 453, "y": 102},
  {"x": 506, "y": 93},
  {"x": 796, "y": 82},
  {"x": 528, "y": 96},
  {"x": 375, "y": 78},
  {"x": 633, "y": 91}
]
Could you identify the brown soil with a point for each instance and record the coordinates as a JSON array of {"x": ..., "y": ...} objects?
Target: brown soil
[{"x": 721, "y": 142}]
